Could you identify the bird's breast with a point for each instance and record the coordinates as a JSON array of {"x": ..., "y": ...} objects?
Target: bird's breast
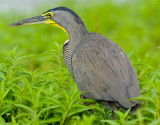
[{"x": 67, "y": 55}]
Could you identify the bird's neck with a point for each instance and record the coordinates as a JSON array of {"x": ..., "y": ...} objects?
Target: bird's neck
[{"x": 76, "y": 33}]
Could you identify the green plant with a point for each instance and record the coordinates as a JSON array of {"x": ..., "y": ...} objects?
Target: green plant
[{"x": 36, "y": 87}]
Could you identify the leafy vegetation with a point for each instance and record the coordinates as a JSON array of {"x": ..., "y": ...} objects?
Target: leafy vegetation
[{"x": 36, "y": 87}]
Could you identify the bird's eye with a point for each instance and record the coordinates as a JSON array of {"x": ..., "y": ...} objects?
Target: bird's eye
[{"x": 48, "y": 14}]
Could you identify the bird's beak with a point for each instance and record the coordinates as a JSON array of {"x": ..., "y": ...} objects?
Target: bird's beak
[
  {"x": 37, "y": 20},
  {"x": 33, "y": 20},
  {"x": 43, "y": 18}
]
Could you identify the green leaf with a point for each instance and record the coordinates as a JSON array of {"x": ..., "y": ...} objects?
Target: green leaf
[
  {"x": 23, "y": 115},
  {"x": 46, "y": 109},
  {"x": 120, "y": 114},
  {"x": 15, "y": 49},
  {"x": 24, "y": 56},
  {"x": 149, "y": 109},
  {"x": 78, "y": 109},
  {"x": 155, "y": 122},
  {"x": 144, "y": 98},
  {"x": 24, "y": 107},
  {"x": 74, "y": 98},
  {"x": 87, "y": 100},
  {"x": 13, "y": 120},
  {"x": 51, "y": 120},
  {"x": 111, "y": 122},
  {"x": 127, "y": 112},
  {"x": 2, "y": 121}
]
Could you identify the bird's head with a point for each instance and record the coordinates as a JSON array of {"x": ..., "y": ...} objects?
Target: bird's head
[{"x": 61, "y": 17}]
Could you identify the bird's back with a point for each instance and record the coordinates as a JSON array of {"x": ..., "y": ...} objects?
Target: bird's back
[{"x": 102, "y": 68}]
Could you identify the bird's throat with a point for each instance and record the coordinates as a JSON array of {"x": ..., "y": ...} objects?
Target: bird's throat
[{"x": 49, "y": 21}]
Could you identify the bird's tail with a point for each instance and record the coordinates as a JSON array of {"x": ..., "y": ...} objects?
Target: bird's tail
[{"x": 133, "y": 109}]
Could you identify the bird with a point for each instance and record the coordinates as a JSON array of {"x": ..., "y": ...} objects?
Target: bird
[{"x": 98, "y": 65}]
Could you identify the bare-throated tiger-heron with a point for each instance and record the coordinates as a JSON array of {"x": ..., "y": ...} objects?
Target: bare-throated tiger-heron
[{"x": 98, "y": 65}]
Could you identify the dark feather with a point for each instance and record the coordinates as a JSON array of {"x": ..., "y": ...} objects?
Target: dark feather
[{"x": 102, "y": 68}]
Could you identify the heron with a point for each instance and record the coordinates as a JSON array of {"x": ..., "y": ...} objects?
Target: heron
[{"x": 98, "y": 65}]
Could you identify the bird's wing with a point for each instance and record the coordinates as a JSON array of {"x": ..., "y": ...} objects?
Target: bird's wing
[{"x": 101, "y": 68}]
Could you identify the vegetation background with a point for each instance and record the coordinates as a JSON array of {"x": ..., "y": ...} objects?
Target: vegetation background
[{"x": 36, "y": 87}]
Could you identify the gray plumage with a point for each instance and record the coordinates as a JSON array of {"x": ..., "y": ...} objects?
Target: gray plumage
[
  {"x": 98, "y": 65},
  {"x": 102, "y": 68}
]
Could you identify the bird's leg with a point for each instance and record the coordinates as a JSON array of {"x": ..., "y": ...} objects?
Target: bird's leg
[
  {"x": 82, "y": 97},
  {"x": 113, "y": 115}
]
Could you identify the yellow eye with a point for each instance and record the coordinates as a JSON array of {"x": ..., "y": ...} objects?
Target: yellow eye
[{"x": 48, "y": 14}]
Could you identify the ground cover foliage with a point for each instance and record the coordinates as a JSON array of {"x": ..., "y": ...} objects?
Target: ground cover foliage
[{"x": 36, "y": 87}]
